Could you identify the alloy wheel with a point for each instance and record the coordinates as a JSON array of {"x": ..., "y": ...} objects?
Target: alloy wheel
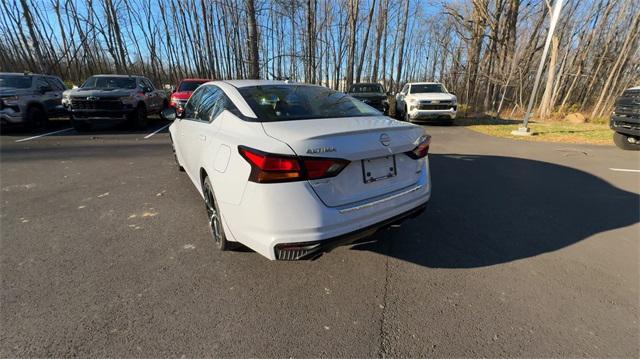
[{"x": 213, "y": 214}]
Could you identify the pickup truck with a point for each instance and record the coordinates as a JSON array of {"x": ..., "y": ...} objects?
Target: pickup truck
[
  {"x": 373, "y": 94},
  {"x": 183, "y": 92},
  {"x": 113, "y": 99},
  {"x": 625, "y": 120},
  {"x": 421, "y": 101},
  {"x": 30, "y": 99}
]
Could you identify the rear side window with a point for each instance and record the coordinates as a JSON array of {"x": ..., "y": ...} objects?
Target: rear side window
[
  {"x": 302, "y": 102},
  {"x": 208, "y": 104},
  {"x": 148, "y": 83},
  {"x": 55, "y": 84},
  {"x": 190, "y": 108}
]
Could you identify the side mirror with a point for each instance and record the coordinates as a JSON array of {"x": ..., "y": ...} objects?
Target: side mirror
[
  {"x": 44, "y": 89},
  {"x": 169, "y": 114}
]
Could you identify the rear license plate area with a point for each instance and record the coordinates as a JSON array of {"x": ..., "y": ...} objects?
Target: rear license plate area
[{"x": 378, "y": 169}]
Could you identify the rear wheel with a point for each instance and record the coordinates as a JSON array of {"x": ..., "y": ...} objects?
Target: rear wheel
[
  {"x": 36, "y": 118},
  {"x": 625, "y": 142},
  {"x": 215, "y": 217}
]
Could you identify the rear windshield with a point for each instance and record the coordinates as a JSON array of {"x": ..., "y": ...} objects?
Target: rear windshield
[
  {"x": 15, "y": 81},
  {"x": 189, "y": 86},
  {"x": 106, "y": 82},
  {"x": 302, "y": 102},
  {"x": 368, "y": 88},
  {"x": 427, "y": 88}
]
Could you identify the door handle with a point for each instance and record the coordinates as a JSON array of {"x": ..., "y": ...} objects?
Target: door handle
[{"x": 203, "y": 138}]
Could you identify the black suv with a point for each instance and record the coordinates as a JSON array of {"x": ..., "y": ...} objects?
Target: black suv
[
  {"x": 373, "y": 94},
  {"x": 30, "y": 99},
  {"x": 625, "y": 120}
]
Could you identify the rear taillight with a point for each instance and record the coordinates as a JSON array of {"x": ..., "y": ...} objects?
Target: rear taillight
[
  {"x": 271, "y": 168},
  {"x": 422, "y": 149}
]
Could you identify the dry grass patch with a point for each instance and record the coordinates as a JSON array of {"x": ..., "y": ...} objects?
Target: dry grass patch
[{"x": 553, "y": 131}]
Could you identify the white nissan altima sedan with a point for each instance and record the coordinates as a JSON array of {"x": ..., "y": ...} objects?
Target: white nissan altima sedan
[{"x": 293, "y": 170}]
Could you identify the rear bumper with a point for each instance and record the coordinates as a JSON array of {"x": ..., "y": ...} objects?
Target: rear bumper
[
  {"x": 626, "y": 125},
  {"x": 275, "y": 216},
  {"x": 309, "y": 250}
]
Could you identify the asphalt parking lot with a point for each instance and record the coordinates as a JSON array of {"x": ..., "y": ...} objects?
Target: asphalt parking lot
[{"x": 526, "y": 249}]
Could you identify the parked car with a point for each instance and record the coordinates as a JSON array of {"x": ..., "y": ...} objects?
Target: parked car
[
  {"x": 30, "y": 99},
  {"x": 625, "y": 120},
  {"x": 183, "y": 92},
  {"x": 293, "y": 170},
  {"x": 420, "y": 101},
  {"x": 373, "y": 94},
  {"x": 114, "y": 98}
]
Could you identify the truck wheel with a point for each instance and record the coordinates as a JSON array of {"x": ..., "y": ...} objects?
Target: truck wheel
[
  {"x": 139, "y": 118},
  {"x": 406, "y": 115},
  {"x": 625, "y": 142},
  {"x": 81, "y": 126},
  {"x": 36, "y": 118}
]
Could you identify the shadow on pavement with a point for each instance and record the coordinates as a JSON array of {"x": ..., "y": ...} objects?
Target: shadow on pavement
[
  {"x": 487, "y": 210},
  {"x": 120, "y": 128}
]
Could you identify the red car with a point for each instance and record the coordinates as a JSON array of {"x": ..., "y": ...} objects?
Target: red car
[{"x": 184, "y": 90}]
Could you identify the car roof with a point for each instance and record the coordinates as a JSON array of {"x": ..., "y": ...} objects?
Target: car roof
[
  {"x": 122, "y": 76},
  {"x": 247, "y": 83},
  {"x": 634, "y": 88},
  {"x": 424, "y": 83},
  {"x": 23, "y": 74}
]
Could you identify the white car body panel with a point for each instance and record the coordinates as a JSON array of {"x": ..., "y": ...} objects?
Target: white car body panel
[{"x": 262, "y": 215}]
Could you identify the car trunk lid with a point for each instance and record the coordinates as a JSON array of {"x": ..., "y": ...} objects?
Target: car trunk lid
[{"x": 375, "y": 147}]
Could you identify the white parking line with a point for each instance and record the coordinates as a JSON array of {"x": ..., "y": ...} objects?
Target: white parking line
[
  {"x": 44, "y": 134},
  {"x": 623, "y": 170},
  {"x": 156, "y": 131}
]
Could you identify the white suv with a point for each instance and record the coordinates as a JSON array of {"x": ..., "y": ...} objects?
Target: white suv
[{"x": 425, "y": 101}]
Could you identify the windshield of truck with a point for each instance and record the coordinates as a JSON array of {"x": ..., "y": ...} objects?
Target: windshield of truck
[
  {"x": 302, "y": 102},
  {"x": 368, "y": 88},
  {"x": 427, "y": 88},
  {"x": 106, "y": 82},
  {"x": 189, "y": 86},
  {"x": 16, "y": 81}
]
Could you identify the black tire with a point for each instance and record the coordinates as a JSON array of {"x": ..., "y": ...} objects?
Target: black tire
[
  {"x": 36, "y": 118},
  {"x": 214, "y": 216},
  {"x": 622, "y": 141},
  {"x": 81, "y": 126},
  {"x": 405, "y": 115},
  {"x": 139, "y": 119}
]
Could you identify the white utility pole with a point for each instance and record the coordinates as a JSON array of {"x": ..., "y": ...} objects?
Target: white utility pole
[{"x": 525, "y": 130}]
